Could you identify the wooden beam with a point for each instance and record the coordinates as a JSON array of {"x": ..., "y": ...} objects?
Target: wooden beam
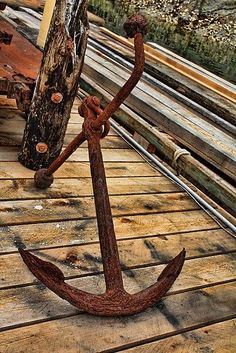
[
  {"x": 188, "y": 127},
  {"x": 156, "y": 56},
  {"x": 33, "y": 4},
  {"x": 45, "y": 23},
  {"x": 56, "y": 85},
  {"x": 214, "y": 186}
]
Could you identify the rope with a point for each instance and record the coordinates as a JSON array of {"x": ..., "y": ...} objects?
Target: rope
[{"x": 178, "y": 153}]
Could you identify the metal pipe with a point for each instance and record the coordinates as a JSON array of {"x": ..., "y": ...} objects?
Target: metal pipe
[{"x": 208, "y": 208}]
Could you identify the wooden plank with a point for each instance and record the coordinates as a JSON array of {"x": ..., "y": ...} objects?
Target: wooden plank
[
  {"x": 29, "y": 302},
  {"x": 200, "y": 69},
  {"x": 164, "y": 319},
  {"x": 45, "y": 23},
  {"x": 9, "y": 111},
  {"x": 191, "y": 89},
  {"x": 10, "y": 154},
  {"x": 9, "y": 139},
  {"x": 77, "y": 261},
  {"x": 14, "y": 170},
  {"x": 217, "y": 338},
  {"x": 161, "y": 96},
  {"x": 75, "y": 232},
  {"x": 33, "y": 4},
  {"x": 221, "y": 155},
  {"x": 17, "y": 126},
  {"x": 6, "y": 103},
  {"x": 201, "y": 176},
  {"x": 23, "y": 18},
  {"x": 191, "y": 73},
  {"x": 30, "y": 211},
  {"x": 25, "y": 189}
]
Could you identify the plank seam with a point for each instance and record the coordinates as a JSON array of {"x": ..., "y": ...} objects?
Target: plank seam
[
  {"x": 167, "y": 335},
  {"x": 142, "y": 342},
  {"x": 23, "y": 285}
]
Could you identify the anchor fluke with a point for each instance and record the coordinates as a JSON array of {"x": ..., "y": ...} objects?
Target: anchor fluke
[{"x": 116, "y": 302}]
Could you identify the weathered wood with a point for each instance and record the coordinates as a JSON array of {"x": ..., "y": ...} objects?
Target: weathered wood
[
  {"x": 26, "y": 189},
  {"x": 33, "y": 4},
  {"x": 184, "y": 85},
  {"x": 164, "y": 319},
  {"x": 83, "y": 260},
  {"x": 35, "y": 311},
  {"x": 217, "y": 338},
  {"x": 45, "y": 22},
  {"x": 74, "y": 232},
  {"x": 185, "y": 128},
  {"x": 80, "y": 170},
  {"x": 111, "y": 141},
  {"x": 81, "y": 155},
  {"x": 208, "y": 181},
  {"x": 56, "y": 85},
  {"x": 96, "y": 19},
  {"x": 183, "y": 69},
  {"x": 29, "y": 211}
]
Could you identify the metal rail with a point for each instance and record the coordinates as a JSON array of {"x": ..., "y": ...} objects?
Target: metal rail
[{"x": 202, "y": 203}]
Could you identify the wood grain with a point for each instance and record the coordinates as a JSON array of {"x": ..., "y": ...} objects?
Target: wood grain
[
  {"x": 61, "y": 188},
  {"x": 75, "y": 232},
  {"x": 30, "y": 211},
  {"x": 97, "y": 334}
]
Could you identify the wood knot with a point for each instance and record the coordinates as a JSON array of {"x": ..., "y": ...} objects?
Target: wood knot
[
  {"x": 41, "y": 147},
  {"x": 56, "y": 97}
]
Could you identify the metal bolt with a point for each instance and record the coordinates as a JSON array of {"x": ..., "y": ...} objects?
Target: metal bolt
[
  {"x": 57, "y": 97},
  {"x": 41, "y": 147}
]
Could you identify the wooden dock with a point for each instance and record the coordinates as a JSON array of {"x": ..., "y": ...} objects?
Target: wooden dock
[{"x": 153, "y": 219}]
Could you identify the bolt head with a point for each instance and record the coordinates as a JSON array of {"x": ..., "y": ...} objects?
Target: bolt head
[
  {"x": 136, "y": 24},
  {"x": 41, "y": 147},
  {"x": 56, "y": 97}
]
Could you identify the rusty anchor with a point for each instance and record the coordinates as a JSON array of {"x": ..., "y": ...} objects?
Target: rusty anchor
[{"x": 115, "y": 301}]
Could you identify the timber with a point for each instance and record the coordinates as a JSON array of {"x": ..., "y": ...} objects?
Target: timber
[
  {"x": 156, "y": 56},
  {"x": 188, "y": 127},
  {"x": 56, "y": 85},
  {"x": 191, "y": 89},
  {"x": 33, "y": 4},
  {"x": 45, "y": 22},
  {"x": 208, "y": 181}
]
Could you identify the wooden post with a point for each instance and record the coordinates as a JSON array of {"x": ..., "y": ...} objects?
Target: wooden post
[
  {"x": 33, "y": 4},
  {"x": 56, "y": 85},
  {"x": 45, "y": 23}
]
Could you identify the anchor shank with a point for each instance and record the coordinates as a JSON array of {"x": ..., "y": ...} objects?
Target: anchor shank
[{"x": 108, "y": 245}]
